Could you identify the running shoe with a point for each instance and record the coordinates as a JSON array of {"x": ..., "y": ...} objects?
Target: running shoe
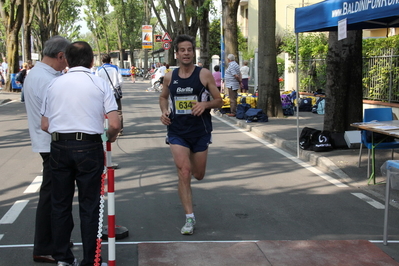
[{"x": 188, "y": 228}]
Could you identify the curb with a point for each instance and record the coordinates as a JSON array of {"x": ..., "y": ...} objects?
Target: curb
[{"x": 311, "y": 157}]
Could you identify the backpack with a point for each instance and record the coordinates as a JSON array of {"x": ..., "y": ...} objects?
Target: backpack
[
  {"x": 255, "y": 115},
  {"x": 241, "y": 109},
  {"x": 287, "y": 105},
  {"x": 315, "y": 140},
  {"x": 20, "y": 76},
  {"x": 305, "y": 104}
]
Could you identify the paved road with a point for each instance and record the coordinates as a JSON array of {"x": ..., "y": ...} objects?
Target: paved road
[{"x": 252, "y": 190}]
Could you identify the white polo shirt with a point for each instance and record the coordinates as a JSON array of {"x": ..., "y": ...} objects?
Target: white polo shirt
[
  {"x": 77, "y": 102},
  {"x": 35, "y": 86}
]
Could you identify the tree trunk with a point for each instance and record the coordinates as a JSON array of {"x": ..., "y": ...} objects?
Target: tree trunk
[
  {"x": 229, "y": 13},
  {"x": 12, "y": 13},
  {"x": 269, "y": 92},
  {"x": 204, "y": 36},
  {"x": 344, "y": 82}
]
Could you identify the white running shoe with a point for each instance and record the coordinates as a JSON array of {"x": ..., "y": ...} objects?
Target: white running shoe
[{"x": 188, "y": 228}]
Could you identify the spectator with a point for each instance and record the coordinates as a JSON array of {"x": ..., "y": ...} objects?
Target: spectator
[
  {"x": 77, "y": 149},
  {"x": 23, "y": 73},
  {"x": 217, "y": 75},
  {"x": 4, "y": 68},
  {"x": 245, "y": 76},
  {"x": 233, "y": 83},
  {"x": 113, "y": 76},
  {"x": 35, "y": 86}
]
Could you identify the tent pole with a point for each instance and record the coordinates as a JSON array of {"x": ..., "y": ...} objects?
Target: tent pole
[{"x": 297, "y": 93}]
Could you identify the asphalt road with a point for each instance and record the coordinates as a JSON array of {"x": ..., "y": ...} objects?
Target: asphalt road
[{"x": 252, "y": 190}]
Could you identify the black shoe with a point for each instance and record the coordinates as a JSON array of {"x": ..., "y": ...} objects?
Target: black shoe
[{"x": 44, "y": 258}]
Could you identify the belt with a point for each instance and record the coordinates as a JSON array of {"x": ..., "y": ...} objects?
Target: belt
[{"x": 75, "y": 136}]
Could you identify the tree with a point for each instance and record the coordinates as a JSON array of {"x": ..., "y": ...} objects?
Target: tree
[
  {"x": 181, "y": 19},
  {"x": 203, "y": 14},
  {"x": 97, "y": 24},
  {"x": 12, "y": 15},
  {"x": 230, "y": 28},
  {"x": 29, "y": 9},
  {"x": 214, "y": 38},
  {"x": 269, "y": 91},
  {"x": 344, "y": 82},
  {"x": 47, "y": 13}
]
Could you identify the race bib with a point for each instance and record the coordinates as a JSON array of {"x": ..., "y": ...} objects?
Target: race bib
[{"x": 183, "y": 104}]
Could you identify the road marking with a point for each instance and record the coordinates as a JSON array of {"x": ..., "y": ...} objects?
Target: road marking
[
  {"x": 286, "y": 154},
  {"x": 1, "y": 236},
  {"x": 369, "y": 200},
  {"x": 167, "y": 242},
  {"x": 35, "y": 185},
  {"x": 14, "y": 212}
]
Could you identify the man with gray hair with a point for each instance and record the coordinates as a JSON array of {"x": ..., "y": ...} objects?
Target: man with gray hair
[
  {"x": 233, "y": 83},
  {"x": 35, "y": 87}
]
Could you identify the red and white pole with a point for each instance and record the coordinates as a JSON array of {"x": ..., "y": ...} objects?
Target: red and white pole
[{"x": 111, "y": 207}]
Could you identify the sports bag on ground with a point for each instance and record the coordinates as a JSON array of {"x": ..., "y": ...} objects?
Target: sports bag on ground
[
  {"x": 256, "y": 115},
  {"x": 241, "y": 110},
  {"x": 315, "y": 140},
  {"x": 305, "y": 105}
]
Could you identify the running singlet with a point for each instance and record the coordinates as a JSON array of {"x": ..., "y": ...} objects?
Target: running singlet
[{"x": 182, "y": 92}]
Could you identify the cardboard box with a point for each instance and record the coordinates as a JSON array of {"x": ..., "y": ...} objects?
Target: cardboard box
[{"x": 353, "y": 139}]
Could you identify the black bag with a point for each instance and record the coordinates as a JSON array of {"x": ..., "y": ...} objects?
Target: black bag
[
  {"x": 305, "y": 105},
  {"x": 20, "y": 76},
  {"x": 255, "y": 115},
  {"x": 241, "y": 109},
  {"x": 117, "y": 90},
  {"x": 315, "y": 140},
  {"x": 321, "y": 141},
  {"x": 305, "y": 138},
  {"x": 118, "y": 93}
]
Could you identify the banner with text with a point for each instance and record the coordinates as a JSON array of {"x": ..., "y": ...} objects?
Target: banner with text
[{"x": 146, "y": 33}]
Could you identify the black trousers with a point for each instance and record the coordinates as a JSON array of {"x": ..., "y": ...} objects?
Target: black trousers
[
  {"x": 43, "y": 244},
  {"x": 81, "y": 162}
]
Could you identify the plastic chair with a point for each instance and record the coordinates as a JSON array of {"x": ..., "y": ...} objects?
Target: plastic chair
[{"x": 375, "y": 114}]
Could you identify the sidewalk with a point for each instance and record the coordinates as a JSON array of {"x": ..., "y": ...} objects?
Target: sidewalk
[{"x": 339, "y": 163}]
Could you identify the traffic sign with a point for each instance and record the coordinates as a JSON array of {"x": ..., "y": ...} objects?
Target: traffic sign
[
  {"x": 166, "y": 37},
  {"x": 158, "y": 38},
  {"x": 166, "y": 45}
]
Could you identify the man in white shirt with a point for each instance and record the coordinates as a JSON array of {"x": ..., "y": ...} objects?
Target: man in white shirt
[
  {"x": 35, "y": 86},
  {"x": 4, "y": 68},
  {"x": 233, "y": 83},
  {"x": 113, "y": 76},
  {"x": 73, "y": 113}
]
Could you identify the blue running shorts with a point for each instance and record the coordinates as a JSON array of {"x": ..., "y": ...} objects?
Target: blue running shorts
[{"x": 197, "y": 144}]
